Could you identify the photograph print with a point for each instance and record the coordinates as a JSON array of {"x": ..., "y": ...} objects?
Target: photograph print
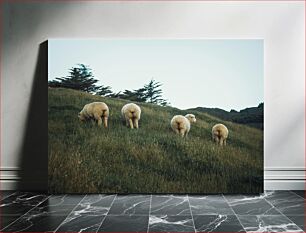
[{"x": 155, "y": 116}]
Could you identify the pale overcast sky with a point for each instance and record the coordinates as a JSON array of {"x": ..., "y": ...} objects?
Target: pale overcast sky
[{"x": 225, "y": 73}]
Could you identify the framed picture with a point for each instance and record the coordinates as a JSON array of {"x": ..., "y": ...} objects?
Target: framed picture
[{"x": 155, "y": 116}]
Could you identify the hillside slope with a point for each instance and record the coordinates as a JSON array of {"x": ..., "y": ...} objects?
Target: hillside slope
[{"x": 86, "y": 158}]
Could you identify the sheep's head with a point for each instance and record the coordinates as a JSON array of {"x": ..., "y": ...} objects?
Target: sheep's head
[
  {"x": 81, "y": 117},
  {"x": 191, "y": 118}
]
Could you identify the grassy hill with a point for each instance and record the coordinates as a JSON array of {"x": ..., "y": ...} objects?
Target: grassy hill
[{"x": 152, "y": 159}]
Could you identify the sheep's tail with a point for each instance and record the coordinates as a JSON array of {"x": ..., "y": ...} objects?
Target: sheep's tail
[
  {"x": 133, "y": 113},
  {"x": 218, "y": 133},
  {"x": 104, "y": 111}
]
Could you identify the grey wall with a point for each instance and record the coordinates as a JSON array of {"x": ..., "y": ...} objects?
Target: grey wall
[{"x": 23, "y": 70}]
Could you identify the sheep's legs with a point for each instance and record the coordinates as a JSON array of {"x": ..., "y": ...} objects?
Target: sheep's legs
[
  {"x": 177, "y": 131},
  {"x": 131, "y": 123},
  {"x": 105, "y": 122},
  {"x": 182, "y": 133},
  {"x": 224, "y": 142},
  {"x": 99, "y": 121},
  {"x": 136, "y": 123}
]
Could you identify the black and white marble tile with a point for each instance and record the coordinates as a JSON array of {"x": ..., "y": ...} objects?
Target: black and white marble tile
[
  {"x": 266, "y": 223},
  {"x": 217, "y": 223},
  {"x": 300, "y": 193},
  {"x": 124, "y": 223},
  {"x": 286, "y": 202},
  {"x": 21, "y": 202},
  {"x": 35, "y": 223},
  {"x": 95, "y": 204},
  {"x": 65, "y": 199},
  {"x": 54, "y": 208},
  {"x": 88, "y": 215},
  {"x": 63, "y": 210},
  {"x": 98, "y": 200},
  {"x": 59, "y": 205},
  {"x": 81, "y": 223},
  {"x": 165, "y": 223},
  {"x": 130, "y": 205},
  {"x": 251, "y": 205},
  {"x": 209, "y": 205},
  {"x": 7, "y": 220},
  {"x": 32, "y": 212},
  {"x": 299, "y": 220},
  {"x": 170, "y": 205},
  {"x": 5, "y": 194},
  {"x": 47, "y": 215}
]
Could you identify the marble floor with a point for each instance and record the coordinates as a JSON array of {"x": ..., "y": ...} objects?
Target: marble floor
[{"x": 273, "y": 211}]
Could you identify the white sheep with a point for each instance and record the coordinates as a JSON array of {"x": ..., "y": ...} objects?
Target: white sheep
[
  {"x": 97, "y": 111},
  {"x": 181, "y": 124},
  {"x": 219, "y": 134},
  {"x": 131, "y": 114}
]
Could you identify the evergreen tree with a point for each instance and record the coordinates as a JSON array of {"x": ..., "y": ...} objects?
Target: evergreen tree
[
  {"x": 79, "y": 78},
  {"x": 140, "y": 94},
  {"x": 164, "y": 103},
  {"x": 129, "y": 95},
  {"x": 116, "y": 95},
  {"x": 150, "y": 93},
  {"x": 104, "y": 91},
  {"x": 153, "y": 93},
  {"x": 135, "y": 95}
]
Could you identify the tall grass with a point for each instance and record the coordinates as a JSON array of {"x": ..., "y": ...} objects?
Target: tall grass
[{"x": 152, "y": 159}]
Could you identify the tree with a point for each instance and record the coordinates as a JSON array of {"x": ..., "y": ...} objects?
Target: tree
[
  {"x": 116, "y": 95},
  {"x": 129, "y": 95},
  {"x": 104, "y": 91},
  {"x": 79, "y": 78},
  {"x": 153, "y": 93},
  {"x": 164, "y": 103},
  {"x": 138, "y": 95},
  {"x": 150, "y": 93}
]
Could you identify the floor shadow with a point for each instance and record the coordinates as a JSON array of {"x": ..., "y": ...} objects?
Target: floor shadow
[{"x": 34, "y": 154}]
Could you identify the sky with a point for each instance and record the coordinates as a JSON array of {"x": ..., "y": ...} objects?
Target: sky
[{"x": 217, "y": 73}]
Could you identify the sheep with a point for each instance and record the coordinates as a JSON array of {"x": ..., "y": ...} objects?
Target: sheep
[
  {"x": 219, "y": 134},
  {"x": 181, "y": 124},
  {"x": 95, "y": 110},
  {"x": 131, "y": 114}
]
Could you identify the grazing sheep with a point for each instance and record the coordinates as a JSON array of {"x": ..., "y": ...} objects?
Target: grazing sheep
[
  {"x": 131, "y": 114},
  {"x": 97, "y": 111},
  {"x": 181, "y": 124},
  {"x": 219, "y": 134}
]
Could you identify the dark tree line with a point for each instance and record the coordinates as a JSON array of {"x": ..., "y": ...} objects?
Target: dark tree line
[{"x": 81, "y": 78}]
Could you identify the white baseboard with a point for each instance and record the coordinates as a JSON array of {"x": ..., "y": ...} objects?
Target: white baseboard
[
  {"x": 284, "y": 185},
  {"x": 10, "y": 179},
  {"x": 284, "y": 178},
  {"x": 275, "y": 178}
]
